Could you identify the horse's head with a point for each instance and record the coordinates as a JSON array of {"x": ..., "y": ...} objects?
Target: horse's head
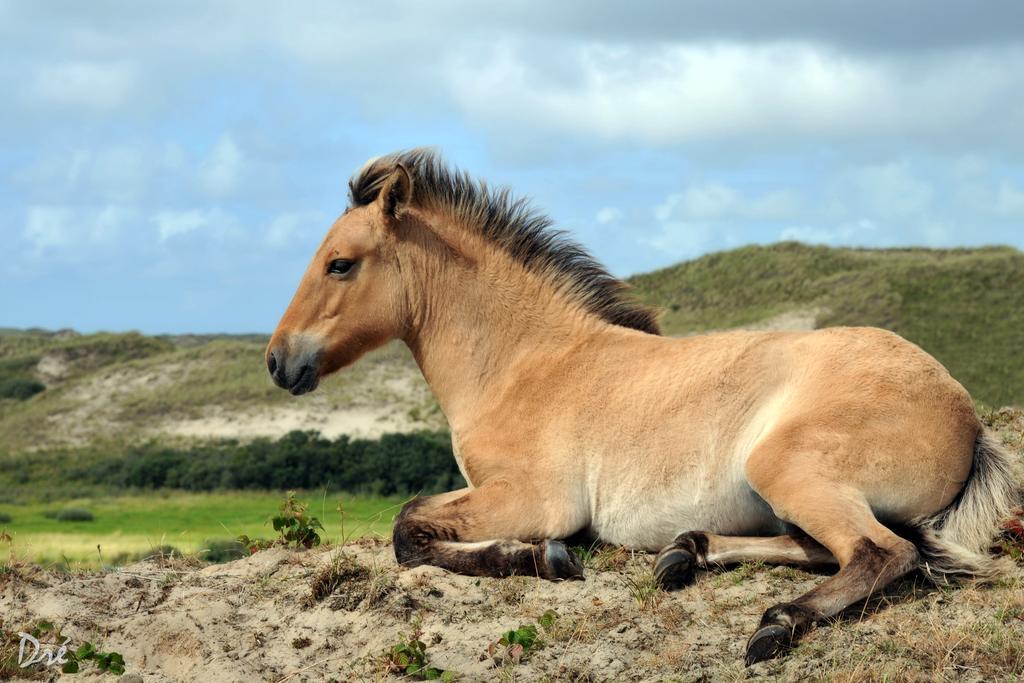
[{"x": 350, "y": 300}]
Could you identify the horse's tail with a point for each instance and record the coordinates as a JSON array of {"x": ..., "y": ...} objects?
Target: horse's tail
[{"x": 956, "y": 542}]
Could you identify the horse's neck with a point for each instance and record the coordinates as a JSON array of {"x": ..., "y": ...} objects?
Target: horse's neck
[{"x": 474, "y": 327}]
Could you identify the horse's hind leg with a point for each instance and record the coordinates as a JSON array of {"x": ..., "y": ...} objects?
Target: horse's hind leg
[
  {"x": 675, "y": 564},
  {"x": 870, "y": 555},
  {"x": 493, "y": 530}
]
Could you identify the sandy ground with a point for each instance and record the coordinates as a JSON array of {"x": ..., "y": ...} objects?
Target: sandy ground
[
  {"x": 256, "y": 619},
  {"x": 356, "y": 421}
]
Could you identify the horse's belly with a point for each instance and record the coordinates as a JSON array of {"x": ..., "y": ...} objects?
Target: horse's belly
[{"x": 651, "y": 519}]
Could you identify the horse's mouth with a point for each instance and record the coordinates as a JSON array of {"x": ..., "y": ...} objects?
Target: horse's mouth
[{"x": 307, "y": 381}]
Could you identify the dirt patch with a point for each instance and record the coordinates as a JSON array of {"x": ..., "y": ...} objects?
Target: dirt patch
[
  {"x": 339, "y": 614},
  {"x": 52, "y": 368},
  {"x": 365, "y": 421}
]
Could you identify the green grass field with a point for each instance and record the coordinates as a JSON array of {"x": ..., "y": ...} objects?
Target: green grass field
[{"x": 133, "y": 525}]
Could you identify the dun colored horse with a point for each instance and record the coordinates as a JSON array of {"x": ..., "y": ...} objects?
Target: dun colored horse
[{"x": 569, "y": 413}]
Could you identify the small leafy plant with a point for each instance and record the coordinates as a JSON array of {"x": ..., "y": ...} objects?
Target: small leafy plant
[
  {"x": 409, "y": 657},
  {"x": 253, "y": 545},
  {"x": 106, "y": 662},
  {"x": 516, "y": 645},
  {"x": 296, "y": 526},
  {"x": 109, "y": 662}
]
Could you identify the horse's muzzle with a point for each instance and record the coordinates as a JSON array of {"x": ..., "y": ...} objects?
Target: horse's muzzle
[{"x": 298, "y": 372}]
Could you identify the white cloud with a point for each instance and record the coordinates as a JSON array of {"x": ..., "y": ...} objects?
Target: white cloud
[
  {"x": 716, "y": 201},
  {"x": 710, "y": 215},
  {"x": 699, "y": 92},
  {"x": 219, "y": 172},
  {"x": 50, "y": 228},
  {"x": 608, "y": 214},
  {"x": 682, "y": 239},
  {"x": 96, "y": 86},
  {"x": 117, "y": 173},
  {"x": 214, "y": 222}
]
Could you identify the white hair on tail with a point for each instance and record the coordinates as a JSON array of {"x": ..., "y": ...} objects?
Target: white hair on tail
[{"x": 956, "y": 542}]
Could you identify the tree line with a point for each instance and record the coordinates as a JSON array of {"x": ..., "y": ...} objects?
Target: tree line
[{"x": 394, "y": 464}]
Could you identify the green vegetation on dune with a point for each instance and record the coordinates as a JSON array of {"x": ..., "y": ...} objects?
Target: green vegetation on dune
[
  {"x": 230, "y": 373},
  {"x": 119, "y": 387},
  {"x": 86, "y": 352},
  {"x": 961, "y": 305}
]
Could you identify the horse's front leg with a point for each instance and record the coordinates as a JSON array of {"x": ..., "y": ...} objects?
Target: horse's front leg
[{"x": 498, "y": 529}]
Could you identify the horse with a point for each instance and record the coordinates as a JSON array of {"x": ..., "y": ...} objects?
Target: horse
[{"x": 570, "y": 413}]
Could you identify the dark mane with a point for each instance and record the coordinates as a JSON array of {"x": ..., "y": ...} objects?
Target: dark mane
[{"x": 513, "y": 225}]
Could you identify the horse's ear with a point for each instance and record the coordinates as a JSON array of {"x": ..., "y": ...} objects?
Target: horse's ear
[{"x": 396, "y": 193}]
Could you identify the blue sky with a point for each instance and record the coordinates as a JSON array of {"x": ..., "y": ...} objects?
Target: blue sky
[{"x": 171, "y": 167}]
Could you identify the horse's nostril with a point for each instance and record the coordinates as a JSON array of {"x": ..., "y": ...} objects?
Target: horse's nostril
[{"x": 271, "y": 363}]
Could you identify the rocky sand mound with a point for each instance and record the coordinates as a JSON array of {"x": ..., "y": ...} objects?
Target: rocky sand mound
[{"x": 350, "y": 614}]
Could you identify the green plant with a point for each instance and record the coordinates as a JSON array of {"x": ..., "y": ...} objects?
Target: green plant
[
  {"x": 20, "y": 389},
  {"x": 254, "y": 545},
  {"x": 296, "y": 525},
  {"x": 110, "y": 662},
  {"x": 5, "y": 518},
  {"x": 746, "y": 570},
  {"x": 409, "y": 657},
  {"x": 106, "y": 662},
  {"x": 514, "y": 645},
  {"x": 548, "y": 619}
]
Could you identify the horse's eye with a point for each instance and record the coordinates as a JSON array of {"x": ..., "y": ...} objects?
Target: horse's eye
[{"x": 340, "y": 266}]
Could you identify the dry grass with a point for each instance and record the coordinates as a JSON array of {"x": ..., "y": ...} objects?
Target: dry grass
[
  {"x": 341, "y": 571},
  {"x": 643, "y": 587}
]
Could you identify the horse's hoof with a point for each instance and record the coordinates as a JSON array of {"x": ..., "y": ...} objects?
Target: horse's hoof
[
  {"x": 768, "y": 642},
  {"x": 561, "y": 563},
  {"x": 673, "y": 568}
]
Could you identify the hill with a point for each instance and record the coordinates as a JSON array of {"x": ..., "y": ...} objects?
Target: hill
[
  {"x": 964, "y": 306},
  {"x": 72, "y": 390},
  {"x": 65, "y": 389}
]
